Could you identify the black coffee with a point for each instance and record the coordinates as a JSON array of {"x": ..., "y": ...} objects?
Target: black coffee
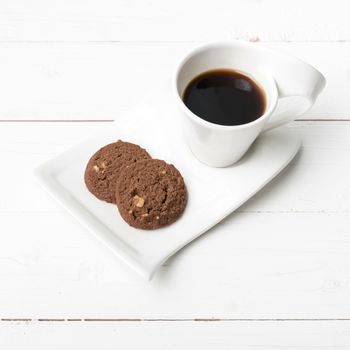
[{"x": 225, "y": 97}]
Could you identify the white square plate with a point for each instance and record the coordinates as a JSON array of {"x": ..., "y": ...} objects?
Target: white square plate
[{"x": 214, "y": 193}]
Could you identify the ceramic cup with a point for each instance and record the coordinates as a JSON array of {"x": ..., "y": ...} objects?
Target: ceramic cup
[{"x": 279, "y": 75}]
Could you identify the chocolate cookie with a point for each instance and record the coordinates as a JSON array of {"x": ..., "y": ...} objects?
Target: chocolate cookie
[
  {"x": 151, "y": 194},
  {"x": 104, "y": 167}
]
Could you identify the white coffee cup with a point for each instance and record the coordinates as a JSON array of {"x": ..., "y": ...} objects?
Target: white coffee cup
[{"x": 279, "y": 75}]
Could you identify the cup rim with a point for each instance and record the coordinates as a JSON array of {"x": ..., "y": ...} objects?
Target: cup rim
[{"x": 273, "y": 95}]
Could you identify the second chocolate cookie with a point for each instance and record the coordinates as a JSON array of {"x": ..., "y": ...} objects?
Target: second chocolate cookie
[{"x": 150, "y": 194}]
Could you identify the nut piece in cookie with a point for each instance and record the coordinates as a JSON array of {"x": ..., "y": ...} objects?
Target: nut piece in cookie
[
  {"x": 151, "y": 194},
  {"x": 104, "y": 167}
]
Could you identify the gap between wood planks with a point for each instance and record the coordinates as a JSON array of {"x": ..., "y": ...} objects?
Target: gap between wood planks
[
  {"x": 112, "y": 120},
  {"x": 254, "y": 39},
  {"x": 172, "y": 319}
]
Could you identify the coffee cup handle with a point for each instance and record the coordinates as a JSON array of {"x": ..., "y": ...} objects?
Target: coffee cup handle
[{"x": 294, "y": 78}]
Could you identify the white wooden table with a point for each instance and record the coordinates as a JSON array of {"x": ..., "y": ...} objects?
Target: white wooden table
[{"x": 274, "y": 275}]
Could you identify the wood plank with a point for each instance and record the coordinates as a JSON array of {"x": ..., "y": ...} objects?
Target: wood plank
[
  {"x": 103, "y": 80},
  {"x": 284, "y": 255},
  {"x": 158, "y": 20},
  {"x": 176, "y": 335}
]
